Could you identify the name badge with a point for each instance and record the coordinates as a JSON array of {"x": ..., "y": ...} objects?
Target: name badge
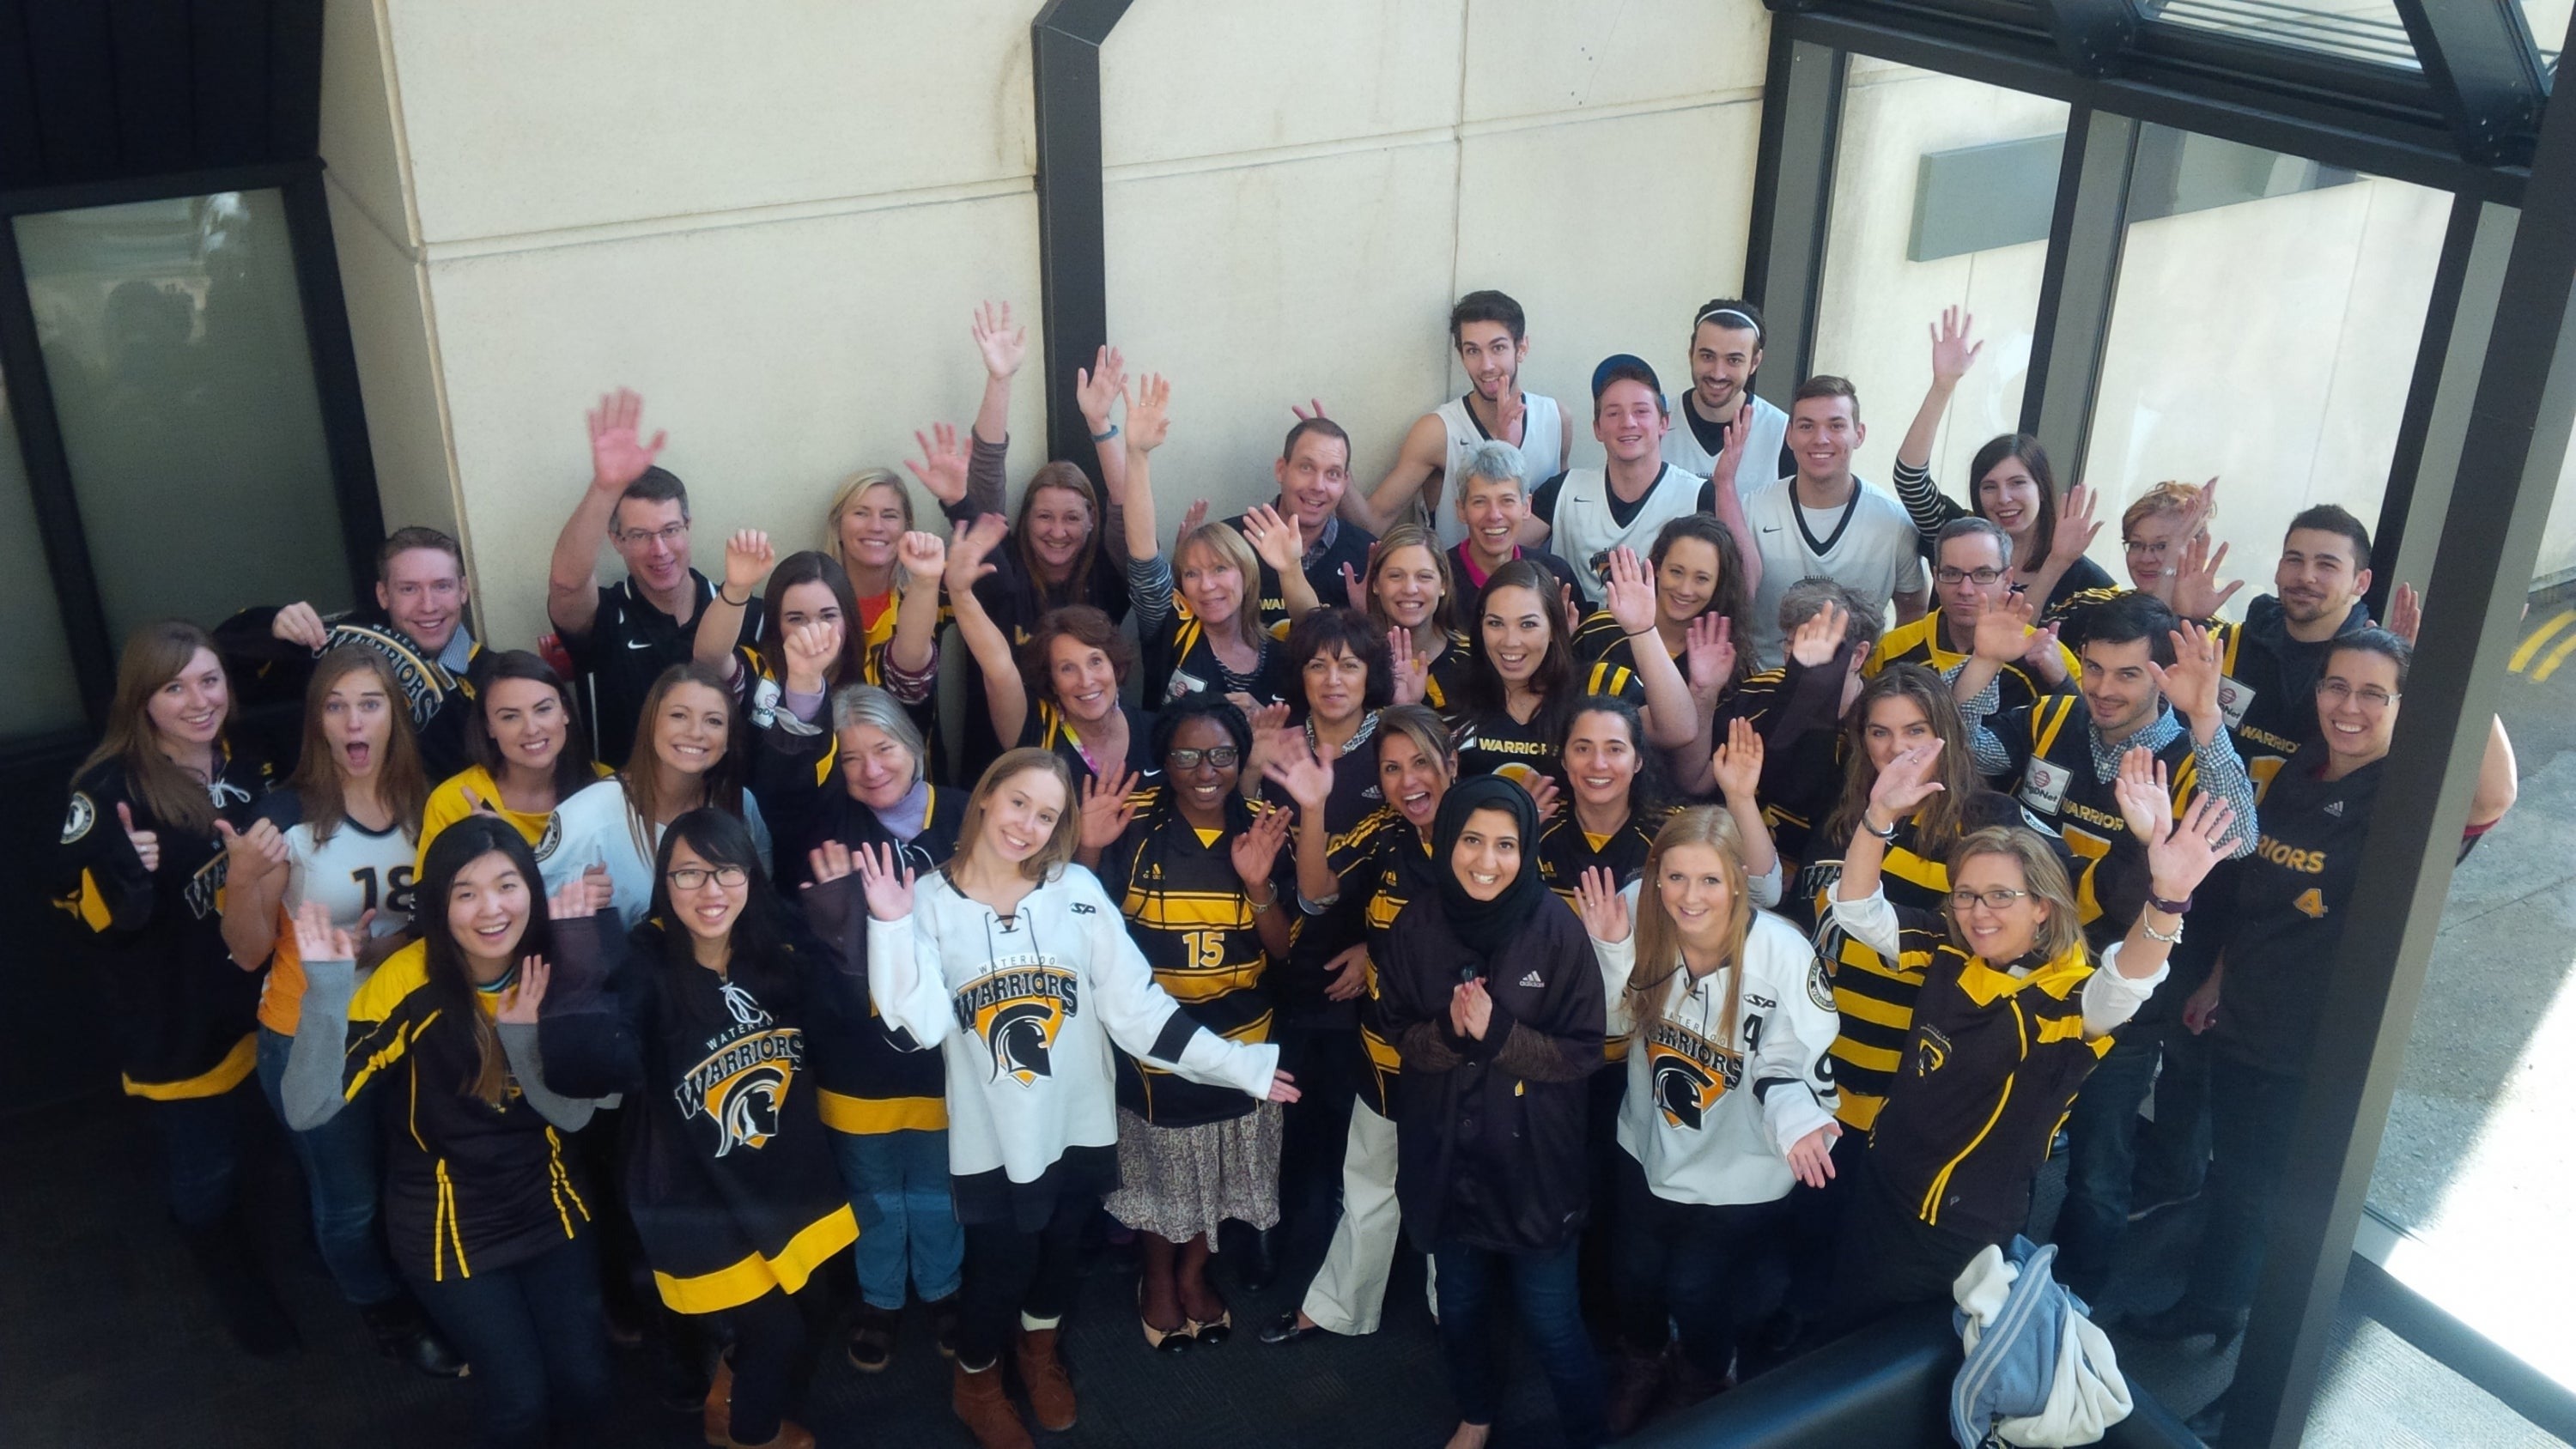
[
  {"x": 2043, "y": 785},
  {"x": 1184, "y": 683},
  {"x": 2234, "y": 700}
]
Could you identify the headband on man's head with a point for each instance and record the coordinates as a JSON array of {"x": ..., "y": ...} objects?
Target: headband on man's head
[{"x": 1713, "y": 314}]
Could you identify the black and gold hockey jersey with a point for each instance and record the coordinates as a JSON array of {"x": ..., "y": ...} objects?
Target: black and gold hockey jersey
[
  {"x": 1491, "y": 742},
  {"x": 1566, "y": 850},
  {"x": 1797, "y": 711},
  {"x": 2051, "y": 747},
  {"x": 1385, "y": 862},
  {"x": 1873, "y": 994},
  {"x": 1921, "y": 643},
  {"x": 1051, "y": 729}
]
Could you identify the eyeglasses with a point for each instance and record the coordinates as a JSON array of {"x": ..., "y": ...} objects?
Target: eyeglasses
[
  {"x": 2151, "y": 550},
  {"x": 691, "y": 877},
  {"x": 2335, "y": 691},
  {"x": 668, "y": 535},
  {"x": 1981, "y": 577},
  {"x": 1993, "y": 900},
  {"x": 1224, "y": 757}
]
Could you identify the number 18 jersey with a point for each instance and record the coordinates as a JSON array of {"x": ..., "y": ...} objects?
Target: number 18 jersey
[{"x": 355, "y": 871}]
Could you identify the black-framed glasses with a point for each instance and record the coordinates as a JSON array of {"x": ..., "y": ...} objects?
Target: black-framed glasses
[
  {"x": 2335, "y": 691},
  {"x": 1997, "y": 899},
  {"x": 1224, "y": 757},
  {"x": 1981, "y": 577},
  {"x": 693, "y": 877}
]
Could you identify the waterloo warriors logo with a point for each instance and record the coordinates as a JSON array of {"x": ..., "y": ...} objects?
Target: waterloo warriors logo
[
  {"x": 1017, "y": 1008},
  {"x": 1689, "y": 1073},
  {"x": 547, "y": 842},
  {"x": 742, "y": 1084},
  {"x": 80, "y": 818},
  {"x": 205, "y": 892}
]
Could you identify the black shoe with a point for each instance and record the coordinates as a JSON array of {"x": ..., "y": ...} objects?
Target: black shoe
[
  {"x": 2187, "y": 1320},
  {"x": 679, "y": 1368},
  {"x": 1261, "y": 1265},
  {"x": 946, "y": 1318},
  {"x": 239, "y": 1285},
  {"x": 1286, "y": 1329},
  {"x": 401, "y": 1333},
  {"x": 872, "y": 1339}
]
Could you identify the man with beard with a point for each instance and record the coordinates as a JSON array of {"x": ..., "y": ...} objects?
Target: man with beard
[
  {"x": 1489, "y": 333},
  {"x": 1725, "y": 349},
  {"x": 1586, "y": 514}
]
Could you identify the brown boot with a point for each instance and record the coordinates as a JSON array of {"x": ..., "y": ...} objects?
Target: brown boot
[
  {"x": 719, "y": 1411},
  {"x": 1042, "y": 1374},
  {"x": 1635, "y": 1383},
  {"x": 985, "y": 1406}
]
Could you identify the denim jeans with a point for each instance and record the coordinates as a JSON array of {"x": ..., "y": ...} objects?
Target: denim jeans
[
  {"x": 1544, "y": 1289},
  {"x": 340, "y": 1160},
  {"x": 898, "y": 1184},
  {"x": 2173, "y": 1150},
  {"x": 538, "y": 1341},
  {"x": 2101, "y": 1156},
  {"x": 201, "y": 1143},
  {"x": 2252, "y": 1116},
  {"x": 1687, "y": 1264}
]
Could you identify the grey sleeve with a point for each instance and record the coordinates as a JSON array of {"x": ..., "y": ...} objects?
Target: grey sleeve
[
  {"x": 527, "y": 1067},
  {"x": 311, "y": 1092}
]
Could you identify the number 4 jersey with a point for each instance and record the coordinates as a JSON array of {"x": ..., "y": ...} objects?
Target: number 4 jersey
[{"x": 351, "y": 871}]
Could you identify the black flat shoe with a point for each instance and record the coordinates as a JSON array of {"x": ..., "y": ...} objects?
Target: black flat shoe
[
  {"x": 1286, "y": 1329},
  {"x": 1164, "y": 1340},
  {"x": 1211, "y": 1332},
  {"x": 1261, "y": 1265}
]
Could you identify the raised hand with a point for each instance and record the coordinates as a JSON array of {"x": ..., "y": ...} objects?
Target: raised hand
[
  {"x": 812, "y": 648},
  {"x": 1149, "y": 413},
  {"x": 1349, "y": 972},
  {"x": 519, "y": 1003},
  {"x": 618, "y": 453},
  {"x": 2144, "y": 796},
  {"x": 1570, "y": 606},
  {"x": 1952, "y": 352},
  {"x": 1412, "y": 671},
  {"x": 475, "y": 804},
  {"x": 924, "y": 557},
  {"x": 146, "y": 843},
  {"x": 1730, "y": 450},
  {"x": 316, "y": 939},
  {"x": 301, "y": 624},
  {"x": 1277, "y": 540},
  {"x": 2003, "y": 631},
  {"x": 1811, "y": 1158},
  {"x": 1309, "y": 410},
  {"x": 573, "y": 900},
  {"x": 2182, "y": 853},
  {"x": 886, "y": 880},
  {"x": 2076, "y": 525},
  {"x": 1817, "y": 642},
  {"x": 1004, "y": 347},
  {"x": 1305, "y": 775},
  {"x": 1630, "y": 593},
  {"x": 2196, "y": 514},
  {"x": 1105, "y": 808},
  {"x": 826, "y": 862},
  {"x": 2040, "y": 652},
  {"x": 1256, "y": 851},
  {"x": 1708, "y": 654},
  {"x": 1099, "y": 385},
  {"x": 2406, "y": 613},
  {"x": 1509, "y": 411},
  {"x": 2197, "y": 593},
  {"x": 748, "y": 556},
  {"x": 1738, "y": 764},
  {"x": 1603, "y": 909},
  {"x": 1907, "y": 781},
  {"x": 1355, "y": 584},
  {"x": 1191, "y": 518},
  {"x": 2190, "y": 683},
  {"x": 1546, "y": 797},
  {"x": 942, "y": 465}
]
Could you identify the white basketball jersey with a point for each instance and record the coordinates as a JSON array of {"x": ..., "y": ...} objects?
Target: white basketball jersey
[
  {"x": 1583, "y": 530},
  {"x": 1761, "y": 451},
  {"x": 1542, "y": 446}
]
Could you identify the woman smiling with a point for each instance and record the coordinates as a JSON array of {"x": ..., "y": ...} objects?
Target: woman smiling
[{"x": 686, "y": 758}]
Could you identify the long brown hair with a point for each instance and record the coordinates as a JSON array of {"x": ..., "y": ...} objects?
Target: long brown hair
[
  {"x": 449, "y": 982},
  {"x": 572, "y": 762},
  {"x": 1730, "y": 600},
  {"x": 155, "y": 654},
  {"x": 1066, "y": 478},
  {"x": 642, "y": 778},
  {"x": 1444, "y": 613},
  {"x": 1059, "y": 849},
  {"x": 1659, "y": 940},
  {"x": 1937, "y": 821},
  {"x": 2042, "y": 874},
  {"x": 813, "y": 566},
  {"x": 319, "y": 782}
]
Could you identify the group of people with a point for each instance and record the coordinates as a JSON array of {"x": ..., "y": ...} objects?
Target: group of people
[{"x": 1693, "y": 895}]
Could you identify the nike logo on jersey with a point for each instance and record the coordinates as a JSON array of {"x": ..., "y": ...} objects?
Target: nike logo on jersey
[
  {"x": 639, "y": 643},
  {"x": 1532, "y": 979}
]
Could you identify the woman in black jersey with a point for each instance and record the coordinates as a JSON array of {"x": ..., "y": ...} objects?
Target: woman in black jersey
[
  {"x": 142, "y": 865},
  {"x": 1066, "y": 545},
  {"x": 700, "y": 1016},
  {"x": 1192, "y": 865},
  {"x": 2010, "y": 1019},
  {"x": 805, "y": 588},
  {"x": 485, "y": 1207},
  {"x": 1698, "y": 570},
  {"x": 1059, "y": 691},
  {"x": 2015, "y": 489},
  {"x": 1198, "y": 614},
  {"x": 1411, "y": 594},
  {"x": 1522, "y": 682}
]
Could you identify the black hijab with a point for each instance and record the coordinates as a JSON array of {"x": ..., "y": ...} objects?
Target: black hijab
[{"x": 1484, "y": 927}]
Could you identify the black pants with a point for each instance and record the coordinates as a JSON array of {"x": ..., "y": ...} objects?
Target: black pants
[
  {"x": 769, "y": 1348},
  {"x": 538, "y": 1342},
  {"x": 1322, "y": 1055},
  {"x": 1010, "y": 1273},
  {"x": 2253, "y": 1117},
  {"x": 1687, "y": 1264},
  {"x": 1605, "y": 1163},
  {"x": 1888, "y": 1256},
  {"x": 1814, "y": 1230}
]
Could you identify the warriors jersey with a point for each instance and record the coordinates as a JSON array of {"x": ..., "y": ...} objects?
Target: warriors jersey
[
  {"x": 1491, "y": 742},
  {"x": 1386, "y": 863},
  {"x": 1187, "y": 910},
  {"x": 1051, "y": 729},
  {"x": 353, "y": 872},
  {"x": 2050, "y": 745},
  {"x": 1566, "y": 850},
  {"x": 1797, "y": 712},
  {"x": 1921, "y": 643},
  {"x": 448, "y": 804},
  {"x": 1179, "y": 657},
  {"x": 1874, "y": 994}
]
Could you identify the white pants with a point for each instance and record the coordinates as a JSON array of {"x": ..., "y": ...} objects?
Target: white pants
[{"x": 1350, "y": 1288}]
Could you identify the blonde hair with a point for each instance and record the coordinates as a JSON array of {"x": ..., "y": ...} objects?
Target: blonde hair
[
  {"x": 1659, "y": 940},
  {"x": 845, "y": 498},
  {"x": 1231, "y": 552},
  {"x": 2042, "y": 874},
  {"x": 2165, "y": 497},
  {"x": 1050, "y": 857}
]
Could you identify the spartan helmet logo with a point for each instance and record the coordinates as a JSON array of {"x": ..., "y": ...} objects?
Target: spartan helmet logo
[
  {"x": 747, "y": 1105},
  {"x": 1684, "y": 1089},
  {"x": 1021, "y": 1035}
]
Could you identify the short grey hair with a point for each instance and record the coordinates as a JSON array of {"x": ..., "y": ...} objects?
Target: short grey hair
[
  {"x": 1808, "y": 596},
  {"x": 1493, "y": 460},
  {"x": 1969, "y": 526},
  {"x": 866, "y": 704}
]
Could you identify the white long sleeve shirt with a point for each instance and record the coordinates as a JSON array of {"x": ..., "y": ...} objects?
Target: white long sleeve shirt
[
  {"x": 1711, "y": 1120},
  {"x": 1028, "y": 1007}
]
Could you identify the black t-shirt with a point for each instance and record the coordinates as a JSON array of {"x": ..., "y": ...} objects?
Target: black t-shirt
[
  {"x": 629, "y": 644},
  {"x": 1623, "y": 511}
]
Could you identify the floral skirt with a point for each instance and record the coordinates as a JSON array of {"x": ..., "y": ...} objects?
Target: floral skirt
[{"x": 1179, "y": 1182}]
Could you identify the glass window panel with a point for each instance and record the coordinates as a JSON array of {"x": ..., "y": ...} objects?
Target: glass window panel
[
  {"x": 2547, "y": 20},
  {"x": 2265, "y": 340},
  {"x": 42, "y": 695},
  {"x": 1942, "y": 193},
  {"x": 2363, "y": 30},
  {"x": 174, "y": 339}
]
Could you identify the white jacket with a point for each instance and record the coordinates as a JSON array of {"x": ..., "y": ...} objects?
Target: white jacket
[
  {"x": 1707, "y": 1127},
  {"x": 596, "y": 826},
  {"x": 1029, "y": 1007}
]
